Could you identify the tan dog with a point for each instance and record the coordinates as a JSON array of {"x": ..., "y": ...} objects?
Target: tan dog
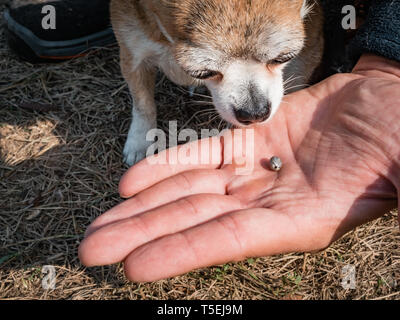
[{"x": 242, "y": 50}]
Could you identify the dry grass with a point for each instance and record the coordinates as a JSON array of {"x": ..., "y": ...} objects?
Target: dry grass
[{"x": 59, "y": 169}]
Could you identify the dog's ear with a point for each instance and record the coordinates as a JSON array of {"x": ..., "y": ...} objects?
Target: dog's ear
[{"x": 306, "y": 8}]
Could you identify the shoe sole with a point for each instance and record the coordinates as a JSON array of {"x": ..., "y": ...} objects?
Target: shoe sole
[{"x": 57, "y": 50}]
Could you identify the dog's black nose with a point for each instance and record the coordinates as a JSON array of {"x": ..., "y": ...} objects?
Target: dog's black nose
[{"x": 249, "y": 117}]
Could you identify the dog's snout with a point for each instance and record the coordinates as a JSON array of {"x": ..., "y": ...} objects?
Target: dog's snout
[{"x": 248, "y": 117}]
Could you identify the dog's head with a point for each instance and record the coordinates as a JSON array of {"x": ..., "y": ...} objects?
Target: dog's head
[{"x": 239, "y": 48}]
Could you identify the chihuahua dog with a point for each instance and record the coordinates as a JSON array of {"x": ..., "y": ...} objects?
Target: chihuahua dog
[{"x": 244, "y": 51}]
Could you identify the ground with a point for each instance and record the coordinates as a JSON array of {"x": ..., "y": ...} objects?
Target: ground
[{"x": 62, "y": 130}]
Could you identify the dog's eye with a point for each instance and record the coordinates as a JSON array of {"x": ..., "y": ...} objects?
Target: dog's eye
[
  {"x": 282, "y": 58},
  {"x": 204, "y": 74}
]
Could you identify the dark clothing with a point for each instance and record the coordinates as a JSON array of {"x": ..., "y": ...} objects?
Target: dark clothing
[{"x": 380, "y": 34}]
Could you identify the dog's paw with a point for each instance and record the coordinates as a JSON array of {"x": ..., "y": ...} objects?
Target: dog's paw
[{"x": 134, "y": 151}]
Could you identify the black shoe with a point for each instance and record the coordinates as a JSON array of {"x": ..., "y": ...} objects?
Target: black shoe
[{"x": 81, "y": 25}]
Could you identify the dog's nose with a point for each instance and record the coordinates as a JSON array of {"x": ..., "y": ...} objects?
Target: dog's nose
[{"x": 247, "y": 118}]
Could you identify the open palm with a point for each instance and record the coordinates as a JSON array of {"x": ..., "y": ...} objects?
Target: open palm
[{"x": 337, "y": 141}]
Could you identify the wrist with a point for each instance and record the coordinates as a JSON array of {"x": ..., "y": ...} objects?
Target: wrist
[
  {"x": 371, "y": 65},
  {"x": 382, "y": 82}
]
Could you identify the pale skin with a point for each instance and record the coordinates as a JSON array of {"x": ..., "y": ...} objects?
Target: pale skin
[{"x": 340, "y": 146}]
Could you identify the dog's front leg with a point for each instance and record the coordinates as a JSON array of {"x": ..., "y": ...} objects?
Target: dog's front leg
[{"x": 141, "y": 81}]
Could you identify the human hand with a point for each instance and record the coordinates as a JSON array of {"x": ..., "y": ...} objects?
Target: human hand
[{"x": 339, "y": 143}]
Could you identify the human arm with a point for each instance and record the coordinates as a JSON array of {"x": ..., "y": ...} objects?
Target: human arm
[{"x": 340, "y": 145}]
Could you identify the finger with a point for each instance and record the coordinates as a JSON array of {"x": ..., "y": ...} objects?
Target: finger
[
  {"x": 232, "y": 237},
  {"x": 202, "y": 154},
  {"x": 167, "y": 191},
  {"x": 114, "y": 242}
]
